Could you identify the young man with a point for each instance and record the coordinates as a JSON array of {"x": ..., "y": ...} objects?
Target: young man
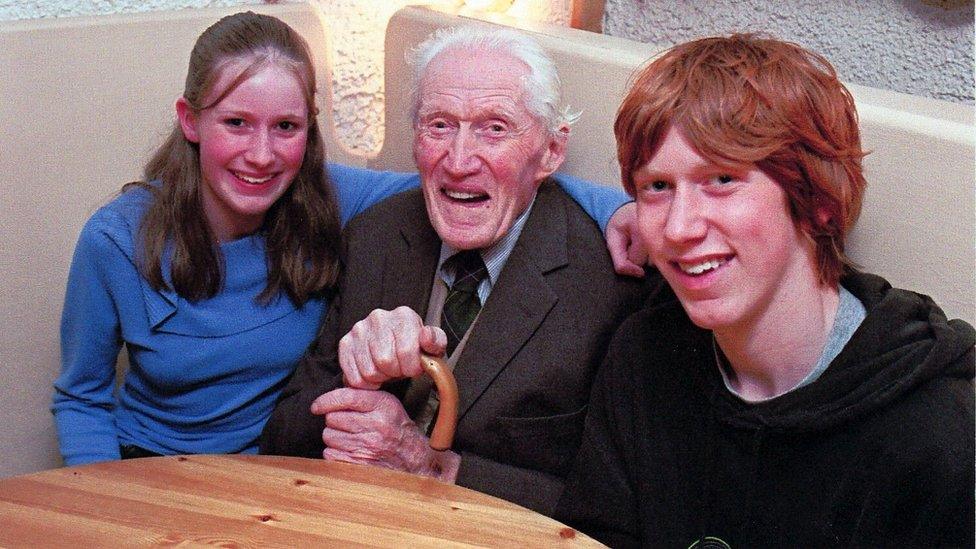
[{"x": 788, "y": 400}]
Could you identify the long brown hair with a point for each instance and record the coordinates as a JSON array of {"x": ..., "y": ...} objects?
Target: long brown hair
[
  {"x": 750, "y": 100},
  {"x": 301, "y": 228}
]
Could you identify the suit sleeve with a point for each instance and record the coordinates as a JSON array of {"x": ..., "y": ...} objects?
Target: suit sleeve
[
  {"x": 599, "y": 499},
  {"x": 533, "y": 489},
  {"x": 83, "y": 401}
]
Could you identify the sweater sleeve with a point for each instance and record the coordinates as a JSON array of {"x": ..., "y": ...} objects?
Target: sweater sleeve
[
  {"x": 359, "y": 188},
  {"x": 599, "y": 201},
  {"x": 599, "y": 499},
  {"x": 90, "y": 341}
]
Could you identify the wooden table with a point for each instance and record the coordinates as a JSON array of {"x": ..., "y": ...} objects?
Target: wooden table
[{"x": 259, "y": 501}]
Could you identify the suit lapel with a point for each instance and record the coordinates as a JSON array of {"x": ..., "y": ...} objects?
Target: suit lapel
[
  {"x": 519, "y": 301},
  {"x": 410, "y": 263}
]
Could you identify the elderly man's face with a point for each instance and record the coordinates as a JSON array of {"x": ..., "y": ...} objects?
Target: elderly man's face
[{"x": 481, "y": 154}]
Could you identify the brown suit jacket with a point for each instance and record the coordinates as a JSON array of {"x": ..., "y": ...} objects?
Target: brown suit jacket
[{"x": 524, "y": 376}]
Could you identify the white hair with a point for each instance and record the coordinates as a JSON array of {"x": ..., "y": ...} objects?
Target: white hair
[{"x": 541, "y": 84}]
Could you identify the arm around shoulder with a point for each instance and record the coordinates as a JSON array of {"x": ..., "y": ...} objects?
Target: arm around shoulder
[
  {"x": 359, "y": 188},
  {"x": 599, "y": 201}
]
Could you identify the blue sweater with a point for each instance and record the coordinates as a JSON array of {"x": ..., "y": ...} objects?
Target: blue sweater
[{"x": 203, "y": 377}]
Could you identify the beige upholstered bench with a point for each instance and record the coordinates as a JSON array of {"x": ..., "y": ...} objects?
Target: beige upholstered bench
[{"x": 85, "y": 100}]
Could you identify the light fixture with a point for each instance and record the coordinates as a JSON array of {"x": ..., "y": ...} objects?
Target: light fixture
[
  {"x": 495, "y": 6},
  {"x": 357, "y": 32}
]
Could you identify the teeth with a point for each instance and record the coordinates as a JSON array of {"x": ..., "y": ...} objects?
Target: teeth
[
  {"x": 252, "y": 180},
  {"x": 458, "y": 195},
  {"x": 700, "y": 268}
]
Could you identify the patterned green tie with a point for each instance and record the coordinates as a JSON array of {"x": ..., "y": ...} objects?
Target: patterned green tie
[{"x": 462, "y": 304}]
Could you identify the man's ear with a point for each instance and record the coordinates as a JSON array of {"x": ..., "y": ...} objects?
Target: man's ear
[
  {"x": 555, "y": 153},
  {"x": 823, "y": 216},
  {"x": 188, "y": 120},
  {"x": 820, "y": 220}
]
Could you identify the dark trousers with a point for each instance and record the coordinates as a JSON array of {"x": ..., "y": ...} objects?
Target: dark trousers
[{"x": 131, "y": 451}]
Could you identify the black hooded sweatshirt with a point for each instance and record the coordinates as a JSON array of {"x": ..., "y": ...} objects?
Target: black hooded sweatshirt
[{"x": 877, "y": 452}]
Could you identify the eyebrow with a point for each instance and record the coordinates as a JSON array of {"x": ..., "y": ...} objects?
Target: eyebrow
[
  {"x": 699, "y": 169},
  {"x": 495, "y": 111},
  {"x": 239, "y": 113},
  {"x": 645, "y": 174},
  {"x": 479, "y": 113}
]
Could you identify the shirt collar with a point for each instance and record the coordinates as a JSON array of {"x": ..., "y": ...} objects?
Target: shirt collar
[
  {"x": 494, "y": 256},
  {"x": 850, "y": 314}
]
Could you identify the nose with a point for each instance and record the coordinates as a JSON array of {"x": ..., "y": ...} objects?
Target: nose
[
  {"x": 260, "y": 151},
  {"x": 462, "y": 154},
  {"x": 686, "y": 218}
]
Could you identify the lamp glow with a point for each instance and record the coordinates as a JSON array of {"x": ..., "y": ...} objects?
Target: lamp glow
[{"x": 497, "y": 6}]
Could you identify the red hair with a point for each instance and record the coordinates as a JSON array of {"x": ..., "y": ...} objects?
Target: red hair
[{"x": 745, "y": 100}]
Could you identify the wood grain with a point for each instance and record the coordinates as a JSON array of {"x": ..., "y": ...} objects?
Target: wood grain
[{"x": 260, "y": 501}]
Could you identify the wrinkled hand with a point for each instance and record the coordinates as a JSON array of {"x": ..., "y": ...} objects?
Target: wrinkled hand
[
  {"x": 626, "y": 248},
  {"x": 387, "y": 345},
  {"x": 372, "y": 428}
]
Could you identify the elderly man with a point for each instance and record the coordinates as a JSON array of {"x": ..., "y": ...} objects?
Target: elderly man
[{"x": 493, "y": 252}]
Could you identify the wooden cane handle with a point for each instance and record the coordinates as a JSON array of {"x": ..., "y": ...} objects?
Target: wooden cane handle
[{"x": 442, "y": 436}]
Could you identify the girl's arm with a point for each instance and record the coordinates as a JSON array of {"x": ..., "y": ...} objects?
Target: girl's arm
[
  {"x": 90, "y": 341},
  {"x": 359, "y": 188},
  {"x": 599, "y": 201}
]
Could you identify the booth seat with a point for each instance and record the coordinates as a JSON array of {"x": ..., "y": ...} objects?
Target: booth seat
[{"x": 86, "y": 99}]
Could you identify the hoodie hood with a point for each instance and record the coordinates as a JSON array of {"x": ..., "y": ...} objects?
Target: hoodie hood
[{"x": 904, "y": 342}]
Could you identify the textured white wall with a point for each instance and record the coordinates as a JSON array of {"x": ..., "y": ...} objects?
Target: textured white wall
[
  {"x": 357, "y": 60},
  {"x": 33, "y": 9},
  {"x": 908, "y": 46},
  {"x": 358, "y": 28}
]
